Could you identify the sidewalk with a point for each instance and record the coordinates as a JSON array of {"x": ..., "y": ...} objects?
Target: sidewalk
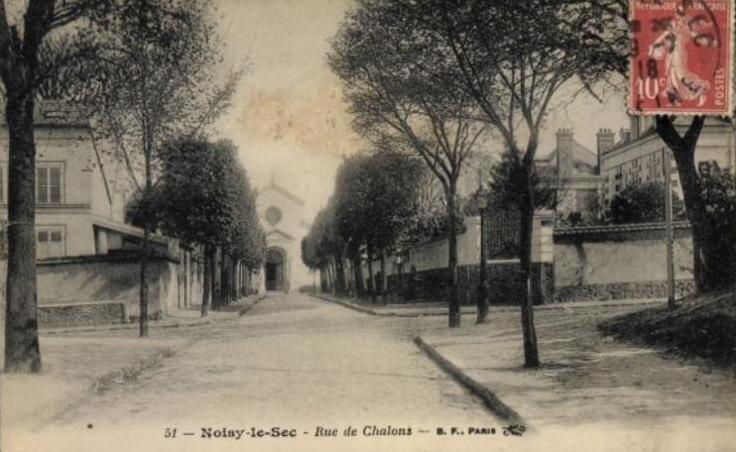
[
  {"x": 591, "y": 392},
  {"x": 440, "y": 308},
  {"x": 590, "y": 384},
  {"x": 75, "y": 366}
]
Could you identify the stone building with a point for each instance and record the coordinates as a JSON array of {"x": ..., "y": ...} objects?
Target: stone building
[
  {"x": 78, "y": 206},
  {"x": 87, "y": 258},
  {"x": 282, "y": 216},
  {"x": 636, "y": 157},
  {"x": 572, "y": 170}
]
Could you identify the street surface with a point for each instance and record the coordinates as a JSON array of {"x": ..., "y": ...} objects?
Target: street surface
[{"x": 292, "y": 362}]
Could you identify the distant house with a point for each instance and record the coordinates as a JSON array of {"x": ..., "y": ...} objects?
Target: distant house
[
  {"x": 573, "y": 170},
  {"x": 637, "y": 156}
]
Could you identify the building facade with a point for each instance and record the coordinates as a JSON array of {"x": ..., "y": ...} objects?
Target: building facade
[
  {"x": 637, "y": 156},
  {"x": 282, "y": 216},
  {"x": 88, "y": 261},
  {"x": 572, "y": 169},
  {"x": 79, "y": 208}
]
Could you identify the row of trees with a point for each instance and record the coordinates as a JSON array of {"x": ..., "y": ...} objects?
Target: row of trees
[
  {"x": 148, "y": 70},
  {"x": 433, "y": 75},
  {"x": 375, "y": 202},
  {"x": 215, "y": 211}
]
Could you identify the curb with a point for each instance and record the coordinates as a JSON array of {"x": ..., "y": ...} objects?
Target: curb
[
  {"x": 129, "y": 373},
  {"x": 347, "y": 304},
  {"x": 430, "y": 312},
  {"x": 489, "y": 398}
]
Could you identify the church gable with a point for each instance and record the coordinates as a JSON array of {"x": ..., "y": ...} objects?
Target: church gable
[{"x": 279, "y": 195}]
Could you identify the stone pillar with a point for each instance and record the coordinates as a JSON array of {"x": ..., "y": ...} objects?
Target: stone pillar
[
  {"x": 542, "y": 258},
  {"x": 101, "y": 246}
]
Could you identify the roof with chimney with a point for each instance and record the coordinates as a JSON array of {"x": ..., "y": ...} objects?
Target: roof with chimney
[{"x": 584, "y": 161}]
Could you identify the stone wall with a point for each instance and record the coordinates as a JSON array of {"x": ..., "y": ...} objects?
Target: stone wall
[
  {"x": 108, "y": 278},
  {"x": 432, "y": 284},
  {"x": 81, "y": 314},
  {"x": 619, "y": 261}
]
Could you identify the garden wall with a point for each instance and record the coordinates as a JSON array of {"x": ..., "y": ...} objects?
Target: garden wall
[{"x": 620, "y": 261}]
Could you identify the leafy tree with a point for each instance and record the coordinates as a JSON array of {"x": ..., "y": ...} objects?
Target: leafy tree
[
  {"x": 718, "y": 191},
  {"x": 377, "y": 57},
  {"x": 349, "y": 210},
  {"x": 642, "y": 203},
  {"x": 24, "y": 29},
  {"x": 155, "y": 81},
  {"x": 389, "y": 183},
  {"x": 489, "y": 67},
  {"x": 217, "y": 209},
  {"x": 506, "y": 184},
  {"x": 324, "y": 249}
]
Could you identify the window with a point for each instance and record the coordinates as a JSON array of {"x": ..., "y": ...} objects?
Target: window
[
  {"x": 48, "y": 183},
  {"x": 49, "y": 242},
  {"x": 273, "y": 215}
]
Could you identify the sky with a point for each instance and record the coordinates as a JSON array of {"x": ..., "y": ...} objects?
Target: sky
[{"x": 288, "y": 117}]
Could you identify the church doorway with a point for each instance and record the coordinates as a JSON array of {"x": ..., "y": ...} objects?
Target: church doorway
[{"x": 275, "y": 269}]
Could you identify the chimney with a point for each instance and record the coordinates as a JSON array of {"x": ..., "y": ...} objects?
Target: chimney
[
  {"x": 605, "y": 140},
  {"x": 634, "y": 127},
  {"x": 625, "y": 135},
  {"x": 564, "y": 153}
]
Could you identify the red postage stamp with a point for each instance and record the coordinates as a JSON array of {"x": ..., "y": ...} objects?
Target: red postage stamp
[{"x": 681, "y": 57}]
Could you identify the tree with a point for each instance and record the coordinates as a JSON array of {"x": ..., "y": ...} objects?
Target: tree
[
  {"x": 156, "y": 81},
  {"x": 642, "y": 203},
  {"x": 22, "y": 36},
  {"x": 323, "y": 244},
  {"x": 378, "y": 65},
  {"x": 216, "y": 210},
  {"x": 350, "y": 206},
  {"x": 388, "y": 183},
  {"x": 705, "y": 242},
  {"x": 478, "y": 50}
]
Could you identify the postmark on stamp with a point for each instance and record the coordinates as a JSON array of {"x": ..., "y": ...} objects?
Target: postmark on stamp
[{"x": 681, "y": 57}]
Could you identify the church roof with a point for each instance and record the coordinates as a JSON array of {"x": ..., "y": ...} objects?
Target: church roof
[{"x": 273, "y": 186}]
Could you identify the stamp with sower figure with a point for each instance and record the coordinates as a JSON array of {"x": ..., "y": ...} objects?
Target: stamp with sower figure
[{"x": 681, "y": 56}]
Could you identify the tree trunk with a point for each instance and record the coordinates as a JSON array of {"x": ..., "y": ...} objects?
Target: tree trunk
[
  {"x": 706, "y": 263},
  {"x": 384, "y": 292},
  {"x": 483, "y": 289},
  {"x": 143, "y": 318},
  {"x": 207, "y": 280},
  {"x": 214, "y": 277},
  {"x": 147, "y": 227},
  {"x": 340, "y": 273},
  {"x": 358, "y": 275},
  {"x": 531, "y": 352},
  {"x": 22, "y": 353},
  {"x": 371, "y": 280},
  {"x": 330, "y": 278},
  {"x": 224, "y": 278},
  {"x": 454, "y": 318}
]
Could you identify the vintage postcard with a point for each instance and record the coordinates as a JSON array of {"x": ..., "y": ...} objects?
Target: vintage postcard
[{"x": 382, "y": 225}]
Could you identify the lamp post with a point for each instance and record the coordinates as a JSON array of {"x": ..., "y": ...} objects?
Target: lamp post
[
  {"x": 483, "y": 289},
  {"x": 667, "y": 162}
]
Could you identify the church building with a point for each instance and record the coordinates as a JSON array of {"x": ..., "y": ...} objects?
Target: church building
[{"x": 282, "y": 216}]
